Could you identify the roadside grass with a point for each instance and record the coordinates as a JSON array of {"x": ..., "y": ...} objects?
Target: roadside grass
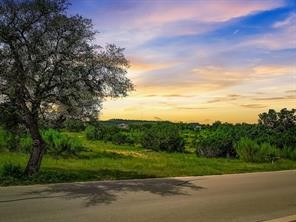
[{"x": 106, "y": 161}]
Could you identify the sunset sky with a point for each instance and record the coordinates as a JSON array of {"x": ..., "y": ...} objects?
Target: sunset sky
[{"x": 200, "y": 60}]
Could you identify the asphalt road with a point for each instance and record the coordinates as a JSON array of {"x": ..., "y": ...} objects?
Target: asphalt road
[{"x": 238, "y": 197}]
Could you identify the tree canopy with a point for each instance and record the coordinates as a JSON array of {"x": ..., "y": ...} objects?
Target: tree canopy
[{"x": 50, "y": 67}]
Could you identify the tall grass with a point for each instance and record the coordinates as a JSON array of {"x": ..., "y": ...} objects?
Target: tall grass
[
  {"x": 250, "y": 151},
  {"x": 7, "y": 140},
  {"x": 59, "y": 144}
]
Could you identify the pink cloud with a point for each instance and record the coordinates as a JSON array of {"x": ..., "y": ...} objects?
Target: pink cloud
[{"x": 204, "y": 11}]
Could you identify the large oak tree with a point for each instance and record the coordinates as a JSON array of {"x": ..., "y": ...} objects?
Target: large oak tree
[{"x": 49, "y": 66}]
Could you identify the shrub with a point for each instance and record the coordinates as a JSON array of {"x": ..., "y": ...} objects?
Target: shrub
[
  {"x": 108, "y": 133},
  {"x": 91, "y": 133},
  {"x": 74, "y": 125},
  {"x": 101, "y": 132},
  {"x": 289, "y": 153},
  {"x": 163, "y": 137},
  {"x": 119, "y": 138},
  {"x": 214, "y": 143},
  {"x": 8, "y": 140},
  {"x": 248, "y": 150},
  {"x": 12, "y": 170},
  {"x": 268, "y": 153},
  {"x": 25, "y": 144},
  {"x": 135, "y": 136},
  {"x": 60, "y": 144}
]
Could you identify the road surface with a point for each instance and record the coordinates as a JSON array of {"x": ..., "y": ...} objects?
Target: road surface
[{"x": 238, "y": 197}]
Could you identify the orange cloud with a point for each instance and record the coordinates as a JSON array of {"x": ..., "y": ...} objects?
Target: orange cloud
[{"x": 145, "y": 67}]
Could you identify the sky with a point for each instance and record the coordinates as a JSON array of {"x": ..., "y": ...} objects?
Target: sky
[{"x": 199, "y": 60}]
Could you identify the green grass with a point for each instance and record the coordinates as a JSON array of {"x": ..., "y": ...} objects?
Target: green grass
[{"x": 108, "y": 161}]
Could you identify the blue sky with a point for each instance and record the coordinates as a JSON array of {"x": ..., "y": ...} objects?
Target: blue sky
[{"x": 197, "y": 60}]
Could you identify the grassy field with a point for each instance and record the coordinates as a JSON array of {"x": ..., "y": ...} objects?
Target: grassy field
[{"x": 108, "y": 161}]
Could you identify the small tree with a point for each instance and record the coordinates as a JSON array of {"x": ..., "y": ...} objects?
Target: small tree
[{"x": 50, "y": 69}]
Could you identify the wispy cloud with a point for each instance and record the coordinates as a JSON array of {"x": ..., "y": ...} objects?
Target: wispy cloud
[
  {"x": 253, "y": 106},
  {"x": 222, "y": 59}
]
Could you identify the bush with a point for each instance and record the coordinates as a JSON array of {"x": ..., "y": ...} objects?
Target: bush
[
  {"x": 25, "y": 144},
  {"x": 119, "y": 138},
  {"x": 268, "y": 153},
  {"x": 60, "y": 144},
  {"x": 163, "y": 137},
  {"x": 73, "y": 125},
  {"x": 289, "y": 153},
  {"x": 8, "y": 141},
  {"x": 135, "y": 136},
  {"x": 91, "y": 133},
  {"x": 107, "y": 133},
  {"x": 214, "y": 143},
  {"x": 101, "y": 132},
  {"x": 250, "y": 151},
  {"x": 12, "y": 170}
]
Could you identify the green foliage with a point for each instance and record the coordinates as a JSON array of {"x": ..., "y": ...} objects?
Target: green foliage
[
  {"x": 74, "y": 125},
  {"x": 120, "y": 138},
  {"x": 8, "y": 141},
  {"x": 215, "y": 143},
  {"x": 49, "y": 60},
  {"x": 110, "y": 161},
  {"x": 268, "y": 152},
  {"x": 163, "y": 137},
  {"x": 250, "y": 151},
  {"x": 10, "y": 169},
  {"x": 91, "y": 132},
  {"x": 25, "y": 144},
  {"x": 59, "y": 144},
  {"x": 289, "y": 153},
  {"x": 280, "y": 121},
  {"x": 135, "y": 136},
  {"x": 108, "y": 133}
]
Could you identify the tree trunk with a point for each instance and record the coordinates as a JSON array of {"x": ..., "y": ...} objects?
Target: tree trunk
[{"x": 38, "y": 151}]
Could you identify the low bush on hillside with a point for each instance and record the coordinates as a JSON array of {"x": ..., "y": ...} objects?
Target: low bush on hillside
[
  {"x": 121, "y": 138},
  {"x": 8, "y": 141},
  {"x": 108, "y": 133},
  {"x": 59, "y": 144},
  {"x": 91, "y": 132},
  {"x": 163, "y": 137},
  {"x": 250, "y": 151},
  {"x": 10, "y": 169},
  {"x": 268, "y": 152},
  {"x": 214, "y": 143},
  {"x": 25, "y": 144},
  {"x": 101, "y": 132},
  {"x": 289, "y": 153}
]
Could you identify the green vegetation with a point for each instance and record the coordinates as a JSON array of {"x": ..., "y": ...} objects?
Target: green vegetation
[
  {"x": 104, "y": 150},
  {"x": 61, "y": 145},
  {"x": 74, "y": 125},
  {"x": 105, "y": 160},
  {"x": 250, "y": 151},
  {"x": 215, "y": 143},
  {"x": 163, "y": 137},
  {"x": 51, "y": 70}
]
